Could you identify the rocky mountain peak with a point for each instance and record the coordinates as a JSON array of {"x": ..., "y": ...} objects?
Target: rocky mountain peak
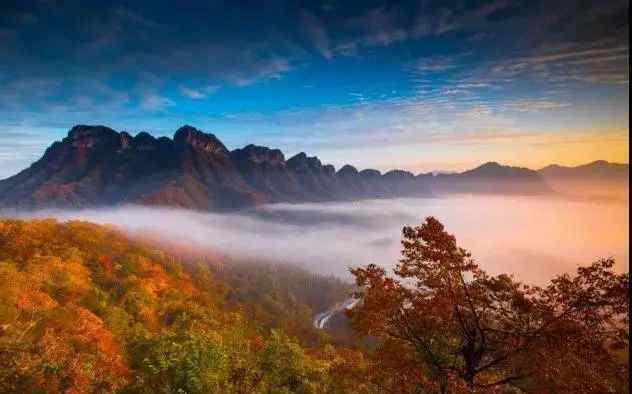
[
  {"x": 299, "y": 160},
  {"x": 259, "y": 154},
  {"x": 199, "y": 140},
  {"x": 87, "y": 137},
  {"x": 329, "y": 169},
  {"x": 347, "y": 170},
  {"x": 299, "y": 157},
  {"x": 494, "y": 170},
  {"x": 144, "y": 141},
  {"x": 302, "y": 162},
  {"x": 370, "y": 174},
  {"x": 399, "y": 174},
  {"x": 490, "y": 165}
]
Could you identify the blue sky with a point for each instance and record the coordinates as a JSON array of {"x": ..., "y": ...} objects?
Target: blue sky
[{"x": 418, "y": 85}]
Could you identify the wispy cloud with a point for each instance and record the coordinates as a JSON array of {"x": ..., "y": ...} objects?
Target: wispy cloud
[
  {"x": 436, "y": 63},
  {"x": 380, "y": 26},
  {"x": 536, "y": 105},
  {"x": 198, "y": 94},
  {"x": 601, "y": 64},
  {"x": 317, "y": 33},
  {"x": 270, "y": 68},
  {"x": 154, "y": 102},
  {"x": 457, "y": 19}
]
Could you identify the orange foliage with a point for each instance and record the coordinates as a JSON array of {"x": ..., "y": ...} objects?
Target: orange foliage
[{"x": 447, "y": 326}]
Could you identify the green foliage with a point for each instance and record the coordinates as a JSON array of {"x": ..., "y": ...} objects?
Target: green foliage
[
  {"x": 282, "y": 296},
  {"x": 179, "y": 362}
]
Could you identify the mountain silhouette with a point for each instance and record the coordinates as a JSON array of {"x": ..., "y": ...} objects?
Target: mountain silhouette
[
  {"x": 98, "y": 166},
  {"x": 599, "y": 170}
]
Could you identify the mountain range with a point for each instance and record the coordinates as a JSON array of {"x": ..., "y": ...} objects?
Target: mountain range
[
  {"x": 599, "y": 170},
  {"x": 98, "y": 166}
]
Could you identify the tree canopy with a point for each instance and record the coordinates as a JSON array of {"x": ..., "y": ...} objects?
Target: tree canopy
[
  {"x": 460, "y": 329},
  {"x": 84, "y": 309}
]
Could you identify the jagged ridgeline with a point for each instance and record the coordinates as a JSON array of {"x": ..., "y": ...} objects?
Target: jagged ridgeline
[{"x": 98, "y": 166}]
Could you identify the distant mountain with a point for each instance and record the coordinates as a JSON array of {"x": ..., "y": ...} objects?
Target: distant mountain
[
  {"x": 492, "y": 177},
  {"x": 493, "y": 170},
  {"x": 98, "y": 166},
  {"x": 600, "y": 170}
]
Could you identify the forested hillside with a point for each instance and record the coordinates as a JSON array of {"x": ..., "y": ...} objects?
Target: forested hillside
[{"x": 85, "y": 309}]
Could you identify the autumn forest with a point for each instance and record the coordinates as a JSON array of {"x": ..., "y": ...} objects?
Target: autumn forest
[{"x": 86, "y": 309}]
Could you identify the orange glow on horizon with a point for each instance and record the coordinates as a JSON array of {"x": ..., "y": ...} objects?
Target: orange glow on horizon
[{"x": 537, "y": 152}]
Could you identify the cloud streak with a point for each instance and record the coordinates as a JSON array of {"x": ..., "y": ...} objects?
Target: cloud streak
[{"x": 317, "y": 34}]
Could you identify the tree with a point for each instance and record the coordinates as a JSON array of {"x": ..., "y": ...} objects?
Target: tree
[{"x": 466, "y": 330}]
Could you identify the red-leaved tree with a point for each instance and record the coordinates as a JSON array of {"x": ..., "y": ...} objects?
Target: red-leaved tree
[{"x": 462, "y": 330}]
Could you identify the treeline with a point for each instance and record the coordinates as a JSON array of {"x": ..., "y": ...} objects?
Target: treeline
[
  {"x": 284, "y": 296},
  {"x": 84, "y": 309}
]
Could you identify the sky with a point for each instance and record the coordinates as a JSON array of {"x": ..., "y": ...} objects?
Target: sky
[{"x": 416, "y": 85}]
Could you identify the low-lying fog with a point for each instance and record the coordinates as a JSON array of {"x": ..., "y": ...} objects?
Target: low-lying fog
[{"x": 533, "y": 238}]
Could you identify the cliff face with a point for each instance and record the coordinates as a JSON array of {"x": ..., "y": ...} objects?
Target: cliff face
[
  {"x": 95, "y": 165},
  {"x": 98, "y": 166}
]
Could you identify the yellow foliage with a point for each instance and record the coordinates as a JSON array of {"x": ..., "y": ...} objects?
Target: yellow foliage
[{"x": 84, "y": 309}]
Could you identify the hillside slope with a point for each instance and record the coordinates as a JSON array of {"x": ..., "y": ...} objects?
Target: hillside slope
[{"x": 83, "y": 309}]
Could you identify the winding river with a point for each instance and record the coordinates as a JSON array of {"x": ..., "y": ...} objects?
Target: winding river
[{"x": 321, "y": 319}]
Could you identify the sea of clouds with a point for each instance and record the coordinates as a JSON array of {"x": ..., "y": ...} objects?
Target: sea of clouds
[{"x": 533, "y": 238}]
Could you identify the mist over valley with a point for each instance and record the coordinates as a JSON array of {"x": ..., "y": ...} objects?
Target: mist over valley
[{"x": 529, "y": 236}]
